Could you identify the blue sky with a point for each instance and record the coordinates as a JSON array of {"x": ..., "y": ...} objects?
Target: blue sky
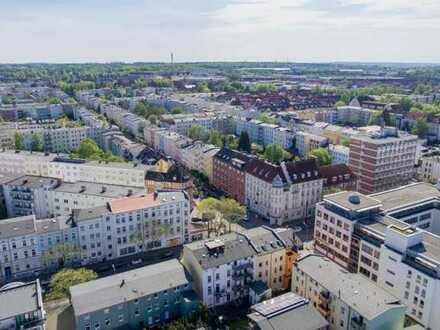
[{"x": 219, "y": 30}]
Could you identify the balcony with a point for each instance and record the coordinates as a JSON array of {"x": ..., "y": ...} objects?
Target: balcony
[
  {"x": 357, "y": 323},
  {"x": 242, "y": 266}
]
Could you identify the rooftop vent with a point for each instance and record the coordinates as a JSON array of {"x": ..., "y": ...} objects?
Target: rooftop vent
[{"x": 354, "y": 199}]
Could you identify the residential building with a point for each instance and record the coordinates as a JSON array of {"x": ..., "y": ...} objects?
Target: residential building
[
  {"x": 382, "y": 160},
  {"x": 337, "y": 177},
  {"x": 284, "y": 192},
  {"x": 28, "y": 195},
  {"x": 21, "y": 306},
  {"x": 131, "y": 225},
  {"x": 68, "y": 196},
  {"x": 346, "y": 300},
  {"x": 224, "y": 269},
  {"x": 229, "y": 173},
  {"x": 264, "y": 133},
  {"x": 354, "y": 115},
  {"x": 306, "y": 142},
  {"x": 391, "y": 239},
  {"x": 139, "y": 298},
  {"x": 339, "y": 153},
  {"x": 429, "y": 169},
  {"x": 199, "y": 157},
  {"x": 288, "y": 311}
]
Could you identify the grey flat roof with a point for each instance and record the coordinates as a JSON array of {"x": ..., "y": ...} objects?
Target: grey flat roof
[
  {"x": 109, "y": 291},
  {"x": 33, "y": 182},
  {"x": 302, "y": 317},
  {"x": 18, "y": 300},
  {"x": 97, "y": 189},
  {"x": 341, "y": 199},
  {"x": 17, "y": 226},
  {"x": 406, "y": 195},
  {"x": 355, "y": 290},
  {"x": 52, "y": 224},
  {"x": 89, "y": 213}
]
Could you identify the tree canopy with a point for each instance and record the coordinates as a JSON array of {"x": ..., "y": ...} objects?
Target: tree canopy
[
  {"x": 61, "y": 282},
  {"x": 244, "y": 143},
  {"x": 37, "y": 143},
  {"x": 420, "y": 128},
  {"x": 216, "y": 138},
  {"x": 19, "y": 141},
  {"x": 322, "y": 155},
  {"x": 274, "y": 153},
  {"x": 88, "y": 149},
  {"x": 196, "y": 132}
]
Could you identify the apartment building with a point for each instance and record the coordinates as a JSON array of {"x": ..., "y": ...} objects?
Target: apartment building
[
  {"x": 199, "y": 157},
  {"x": 139, "y": 298},
  {"x": 229, "y": 173},
  {"x": 284, "y": 192},
  {"x": 337, "y": 177},
  {"x": 391, "y": 239},
  {"x": 133, "y": 224},
  {"x": 382, "y": 160},
  {"x": 354, "y": 115},
  {"x": 223, "y": 269},
  {"x": 429, "y": 168},
  {"x": 346, "y": 300},
  {"x": 181, "y": 123},
  {"x": 306, "y": 142},
  {"x": 30, "y": 247},
  {"x": 21, "y": 306},
  {"x": 72, "y": 170},
  {"x": 339, "y": 153},
  {"x": 28, "y": 195},
  {"x": 68, "y": 196}
]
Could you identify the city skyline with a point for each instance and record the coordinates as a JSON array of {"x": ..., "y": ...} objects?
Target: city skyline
[{"x": 225, "y": 30}]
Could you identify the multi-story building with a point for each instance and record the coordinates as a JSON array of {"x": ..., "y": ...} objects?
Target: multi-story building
[
  {"x": 354, "y": 115},
  {"x": 229, "y": 173},
  {"x": 306, "y": 142},
  {"x": 429, "y": 169},
  {"x": 28, "y": 195},
  {"x": 284, "y": 192},
  {"x": 382, "y": 160},
  {"x": 72, "y": 170},
  {"x": 339, "y": 153},
  {"x": 288, "y": 311},
  {"x": 337, "y": 177},
  {"x": 264, "y": 133},
  {"x": 223, "y": 269},
  {"x": 133, "y": 224},
  {"x": 68, "y": 196},
  {"x": 30, "y": 246},
  {"x": 144, "y": 297},
  {"x": 199, "y": 157},
  {"x": 181, "y": 123},
  {"x": 391, "y": 239},
  {"x": 346, "y": 300},
  {"x": 21, "y": 306}
]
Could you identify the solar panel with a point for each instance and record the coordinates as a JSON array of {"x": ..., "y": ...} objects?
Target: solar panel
[{"x": 279, "y": 304}]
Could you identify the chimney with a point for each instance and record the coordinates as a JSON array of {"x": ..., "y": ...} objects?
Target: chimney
[
  {"x": 103, "y": 190},
  {"x": 122, "y": 283},
  {"x": 155, "y": 195}
]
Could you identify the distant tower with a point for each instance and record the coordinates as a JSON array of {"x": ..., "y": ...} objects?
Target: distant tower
[{"x": 172, "y": 58}]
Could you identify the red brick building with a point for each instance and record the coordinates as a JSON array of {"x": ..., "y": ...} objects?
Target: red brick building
[
  {"x": 229, "y": 173},
  {"x": 337, "y": 177}
]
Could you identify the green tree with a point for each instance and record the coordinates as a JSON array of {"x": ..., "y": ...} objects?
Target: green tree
[
  {"x": 88, "y": 149},
  {"x": 208, "y": 208},
  {"x": 420, "y": 128},
  {"x": 375, "y": 118},
  {"x": 60, "y": 253},
  {"x": 244, "y": 144},
  {"x": 19, "y": 141},
  {"x": 37, "y": 143},
  {"x": 202, "y": 87},
  {"x": 196, "y": 132},
  {"x": 230, "y": 141},
  {"x": 177, "y": 111},
  {"x": 61, "y": 282},
  {"x": 345, "y": 142},
  {"x": 274, "y": 153},
  {"x": 406, "y": 103},
  {"x": 322, "y": 155},
  {"x": 153, "y": 119},
  {"x": 231, "y": 210},
  {"x": 340, "y": 103},
  {"x": 216, "y": 138},
  {"x": 265, "y": 118}
]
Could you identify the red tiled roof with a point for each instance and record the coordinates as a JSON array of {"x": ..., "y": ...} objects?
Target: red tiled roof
[{"x": 127, "y": 204}]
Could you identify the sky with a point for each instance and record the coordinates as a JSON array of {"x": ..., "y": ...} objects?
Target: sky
[{"x": 219, "y": 30}]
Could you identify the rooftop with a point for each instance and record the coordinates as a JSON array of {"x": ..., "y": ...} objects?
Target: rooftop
[
  {"x": 20, "y": 226},
  {"x": 352, "y": 201},
  {"x": 116, "y": 289},
  {"x": 33, "y": 182},
  {"x": 96, "y": 189},
  {"x": 20, "y": 299},
  {"x": 355, "y": 290}
]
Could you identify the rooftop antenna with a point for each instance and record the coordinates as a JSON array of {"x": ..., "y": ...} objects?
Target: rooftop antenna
[{"x": 172, "y": 57}]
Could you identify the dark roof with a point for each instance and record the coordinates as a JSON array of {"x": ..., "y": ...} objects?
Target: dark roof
[
  {"x": 300, "y": 171},
  {"x": 226, "y": 155},
  {"x": 334, "y": 174},
  {"x": 176, "y": 173}
]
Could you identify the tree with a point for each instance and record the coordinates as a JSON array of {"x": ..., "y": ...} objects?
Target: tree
[
  {"x": 19, "y": 141},
  {"x": 274, "y": 153},
  {"x": 177, "y": 111},
  {"x": 208, "y": 209},
  {"x": 265, "y": 118},
  {"x": 60, "y": 253},
  {"x": 322, "y": 155},
  {"x": 375, "y": 118},
  {"x": 61, "y": 282},
  {"x": 88, "y": 149},
  {"x": 340, "y": 103},
  {"x": 215, "y": 138},
  {"x": 244, "y": 143},
  {"x": 153, "y": 119},
  {"x": 37, "y": 143},
  {"x": 345, "y": 142},
  {"x": 202, "y": 87},
  {"x": 406, "y": 103},
  {"x": 196, "y": 132},
  {"x": 420, "y": 128},
  {"x": 230, "y": 141},
  {"x": 231, "y": 210}
]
